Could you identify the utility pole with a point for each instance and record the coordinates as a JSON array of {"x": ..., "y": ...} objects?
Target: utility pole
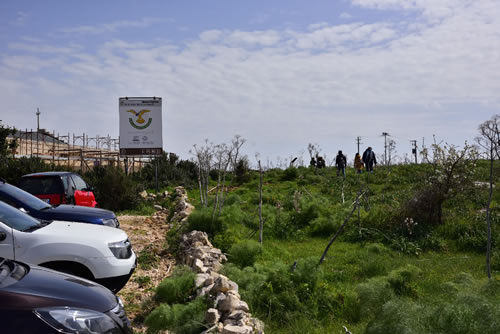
[
  {"x": 358, "y": 141},
  {"x": 38, "y": 119},
  {"x": 37, "y": 130},
  {"x": 385, "y": 134},
  {"x": 414, "y": 149}
]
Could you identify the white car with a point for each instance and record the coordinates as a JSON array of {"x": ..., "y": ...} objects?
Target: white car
[{"x": 94, "y": 252}]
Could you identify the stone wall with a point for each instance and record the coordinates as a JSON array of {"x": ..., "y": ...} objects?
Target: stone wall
[{"x": 228, "y": 314}]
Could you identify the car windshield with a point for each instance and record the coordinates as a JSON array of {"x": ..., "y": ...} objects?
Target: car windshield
[
  {"x": 16, "y": 219},
  {"x": 25, "y": 197},
  {"x": 42, "y": 185}
]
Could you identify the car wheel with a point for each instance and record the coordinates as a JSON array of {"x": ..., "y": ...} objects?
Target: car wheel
[{"x": 71, "y": 268}]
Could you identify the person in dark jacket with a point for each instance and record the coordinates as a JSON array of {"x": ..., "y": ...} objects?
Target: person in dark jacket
[
  {"x": 369, "y": 159},
  {"x": 341, "y": 163},
  {"x": 321, "y": 162}
]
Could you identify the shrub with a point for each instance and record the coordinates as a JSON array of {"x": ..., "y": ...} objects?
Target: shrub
[
  {"x": 283, "y": 292},
  {"x": 372, "y": 266},
  {"x": 224, "y": 241},
  {"x": 244, "y": 253},
  {"x": 350, "y": 305},
  {"x": 377, "y": 248},
  {"x": 323, "y": 226},
  {"x": 397, "y": 316},
  {"x": 113, "y": 189},
  {"x": 178, "y": 318},
  {"x": 307, "y": 213},
  {"x": 171, "y": 171},
  {"x": 176, "y": 288},
  {"x": 379, "y": 290},
  {"x": 290, "y": 174},
  {"x": 466, "y": 314},
  {"x": 401, "y": 280},
  {"x": 242, "y": 171},
  {"x": 373, "y": 295},
  {"x": 13, "y": 169},
  {"x": 202, "y": 220}
]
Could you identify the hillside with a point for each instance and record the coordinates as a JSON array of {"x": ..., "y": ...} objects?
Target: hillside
[{"x": 389, "y": 269}]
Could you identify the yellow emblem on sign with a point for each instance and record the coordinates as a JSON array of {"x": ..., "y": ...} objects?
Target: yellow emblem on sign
[{"x": 139, "y": 120}]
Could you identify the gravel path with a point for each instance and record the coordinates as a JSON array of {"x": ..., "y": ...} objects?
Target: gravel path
[{"x": 147, "y": 235}]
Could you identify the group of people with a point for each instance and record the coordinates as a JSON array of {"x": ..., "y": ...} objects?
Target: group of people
[
  {"x": 318, "y": 162},
  {"x": 368, "y": 161}
]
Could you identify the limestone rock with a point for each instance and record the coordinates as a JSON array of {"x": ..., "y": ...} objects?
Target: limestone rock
[
  {"x": 223, "y": 284},
  {"x": 257, "y": 324},
  {"x": 230, "y": 329},
  {"x": 199, "y": 267},
  {"x": 212, "y": 316},
  {"x": 229, "y": 304},
  {"x": 201, "y": 280}
]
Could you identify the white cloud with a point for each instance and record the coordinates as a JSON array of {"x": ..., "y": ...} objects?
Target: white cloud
[
  {"x": 253, "y": 38},
  {"x": 316, "y": 26},
  {"x": 211, "y": 35},
  {"x": 39, "y": 47},
  {"x": 281, "y": 88},
  {"x": 345, "y": 16},
  {"x": 112, "y": 27}
]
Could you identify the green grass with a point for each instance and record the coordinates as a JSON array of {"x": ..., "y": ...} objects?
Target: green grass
[
  {"x": 143, "y": 209},
  {"x": 381, "y": 275},
  {"x": 348, "y": 266}
]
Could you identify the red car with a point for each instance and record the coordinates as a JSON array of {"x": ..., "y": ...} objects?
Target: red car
[{"x": 59, "y": 188}]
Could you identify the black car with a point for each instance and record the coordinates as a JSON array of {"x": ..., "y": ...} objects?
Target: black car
[
  {"x": 40, "y": 300},
  {"x": 59, "y": 188},
  {"x": 41, "y": 210}
]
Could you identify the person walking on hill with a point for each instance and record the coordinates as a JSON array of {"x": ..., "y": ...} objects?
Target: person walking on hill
[
  {"x": 321, "y": 162},
  {"x": 341, "y": 162},
  {"x": 313, "y": 162},
  {"x": 358, "y": 164},
  {"x": 369, "y": 159}
]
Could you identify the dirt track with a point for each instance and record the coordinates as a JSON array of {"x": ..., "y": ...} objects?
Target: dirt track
[{"x": 147, "y": 235}]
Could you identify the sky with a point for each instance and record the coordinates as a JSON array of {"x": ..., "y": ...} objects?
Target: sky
[{"x": 279, "y": 73}]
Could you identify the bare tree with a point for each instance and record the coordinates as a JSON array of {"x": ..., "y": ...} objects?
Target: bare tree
[
  {"x": 451, "y": 173},
  {"x": 203, "y": 155},
  {"x": 236, "y": 143},
  {"x": 223, "y": 157},
  {"x": 391, "y": 150},
  {"x": 489, "y": 140}
]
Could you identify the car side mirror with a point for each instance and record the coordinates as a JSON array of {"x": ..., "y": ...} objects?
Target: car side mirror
[{"x": 3, "y": 236}]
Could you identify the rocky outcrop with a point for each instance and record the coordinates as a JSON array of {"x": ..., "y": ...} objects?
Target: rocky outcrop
[{"x": 229, "y": 313}]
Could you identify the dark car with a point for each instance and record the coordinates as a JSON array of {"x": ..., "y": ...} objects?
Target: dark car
[
  {"x": 40, "y": 300},
  {"x": 41, "y": 210},
  {"x": 59, "y": 188}
]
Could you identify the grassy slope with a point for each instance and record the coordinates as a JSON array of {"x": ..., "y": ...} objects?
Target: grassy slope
[{"x": 350, "y": 264}]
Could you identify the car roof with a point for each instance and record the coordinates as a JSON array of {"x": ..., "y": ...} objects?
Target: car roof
[{"x": 48, "y": 174}]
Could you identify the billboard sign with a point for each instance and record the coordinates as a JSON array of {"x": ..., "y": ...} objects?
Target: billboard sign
[{"x": 140, "y": 126}]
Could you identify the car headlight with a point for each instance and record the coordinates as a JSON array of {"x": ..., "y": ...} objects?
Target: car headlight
[
  {"x": 121, "y": 249},
  {"x": 77, "y": 320},
  {"x": 113, "y": 222}
]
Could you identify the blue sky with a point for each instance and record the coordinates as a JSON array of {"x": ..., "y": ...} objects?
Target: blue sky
[{"x": 281, "y": 74}]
